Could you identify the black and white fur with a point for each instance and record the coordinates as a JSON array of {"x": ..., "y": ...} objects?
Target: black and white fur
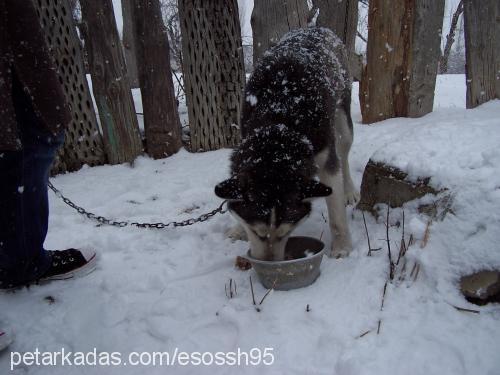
[{"x": 296, "y": 126}]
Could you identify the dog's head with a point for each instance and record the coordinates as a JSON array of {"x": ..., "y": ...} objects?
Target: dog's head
[{"x": 269, "y": 213}]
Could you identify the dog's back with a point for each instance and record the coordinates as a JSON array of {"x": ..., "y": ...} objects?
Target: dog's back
[{"x": 299, "y": 83}]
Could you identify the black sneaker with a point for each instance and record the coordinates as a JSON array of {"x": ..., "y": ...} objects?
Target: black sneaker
[{"x": 67, "y": 264}]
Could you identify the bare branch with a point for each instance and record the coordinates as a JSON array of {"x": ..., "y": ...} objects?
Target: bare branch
[
  {"x": 360, "y": 36},
  {"x": 450, "y": 38}
]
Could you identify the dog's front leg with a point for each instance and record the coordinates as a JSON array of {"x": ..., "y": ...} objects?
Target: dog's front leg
[{"x": 341, "y": 238}]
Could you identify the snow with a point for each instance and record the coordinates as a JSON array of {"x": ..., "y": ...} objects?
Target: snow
[
  {"x": 252, "y": 99},
  {"x": 158, "y": 290}
]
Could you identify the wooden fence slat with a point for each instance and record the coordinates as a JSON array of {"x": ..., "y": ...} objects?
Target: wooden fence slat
[
  {"x": 83, "y": 143},
  {"x": 213, "y": 69},
  {"x": 482, "y": 50},
  {"x": 161, "y": 119},
  {"x": 110, "y": 82},
  {"x": 402, "y": 58}
]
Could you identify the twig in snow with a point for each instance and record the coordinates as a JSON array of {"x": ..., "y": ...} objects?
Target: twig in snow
[
  {"x": 364, "y": 334},
  {"x": 402, "y": 246},
  {"x": 382, "y": 307},
  {"x": 251, "y": 288},
  {"x": 368, "y": 237},
  {"x": 413, "y": 269},
  {"x": 402, "y": 274},
  {"x": 411, "y": 241},
  {"x": 268, "y": 291},
  {"x": 426, "y": 235},
  {"x": 391, "y": 264},
  {"x": 416, "y": 273},
  {"x": 263, "y": 298},
  {"x": 231, "y": 291},
  {"x": 466, "y": 310}
]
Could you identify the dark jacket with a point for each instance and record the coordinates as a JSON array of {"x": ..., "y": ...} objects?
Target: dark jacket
[{"x": 24, "y": 52}]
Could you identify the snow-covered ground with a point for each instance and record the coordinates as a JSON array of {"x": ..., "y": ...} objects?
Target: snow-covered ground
[{"x": 161, "y": 290}]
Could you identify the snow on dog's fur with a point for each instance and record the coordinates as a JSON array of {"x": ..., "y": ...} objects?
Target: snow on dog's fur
[{"x": 296, "y": 125}]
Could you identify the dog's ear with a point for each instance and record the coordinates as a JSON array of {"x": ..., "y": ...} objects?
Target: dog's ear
[
  {"x": 229, "y": 190},
  {"x": 315, "y": 189}
]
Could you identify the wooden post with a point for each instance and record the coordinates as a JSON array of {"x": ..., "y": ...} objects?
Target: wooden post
[
  {"x": 402, "y": 58},
  {"x": 128, "y": 41},
  {"x": 482, "y": 50},
  {"x": 161, "y": 119},
  {"x": 271, "y": 19},
  {"x": 213, "y": 70},
  {"x": 110, "y": 82}
]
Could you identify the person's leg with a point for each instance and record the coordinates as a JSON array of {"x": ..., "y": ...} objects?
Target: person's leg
[
  {"x": 12, "y": 257},
  {"x": 39, "y": 152},
  {"x": 23, "y": 199}
]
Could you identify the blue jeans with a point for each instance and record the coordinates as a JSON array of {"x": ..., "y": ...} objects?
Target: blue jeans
[{"x": 24, "y": 206}]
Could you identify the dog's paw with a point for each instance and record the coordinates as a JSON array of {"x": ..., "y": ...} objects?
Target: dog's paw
[
  {"x": 351, "y": 196},
  {"x": 337, "y": 254},
  {"x": 237, "y": 233},
  {"x": 341, "y": 247}
]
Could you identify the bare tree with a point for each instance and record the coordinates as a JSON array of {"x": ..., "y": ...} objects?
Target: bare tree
[
  {"x": 450, "y": 38},
  {"x": 271, "y": 19},
  {"x": 170, "y": 11},
  {"x": 213, "y": 71}
]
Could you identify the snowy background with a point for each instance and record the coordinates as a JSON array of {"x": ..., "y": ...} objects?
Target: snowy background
[{"x": 158, "y": 290}]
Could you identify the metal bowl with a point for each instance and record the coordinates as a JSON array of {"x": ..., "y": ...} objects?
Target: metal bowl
[{"x": 305, "y": 254}]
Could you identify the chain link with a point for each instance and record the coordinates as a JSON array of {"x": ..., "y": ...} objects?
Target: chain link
[{"x": 121, "y": 224}]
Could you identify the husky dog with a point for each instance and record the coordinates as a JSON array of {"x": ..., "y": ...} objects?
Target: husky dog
[{"x": 296, "y": 125}]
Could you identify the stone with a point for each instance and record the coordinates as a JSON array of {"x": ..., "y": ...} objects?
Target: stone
[
  {"x": 481, "y": 287},
  {"x": 387, "y": 184}
]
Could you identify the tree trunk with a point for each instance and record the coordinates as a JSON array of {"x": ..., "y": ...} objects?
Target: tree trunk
[
  {"x": 403, "y": 53},
  {"x": 129, "y": 43},
  {"x": 271, "y": 19},
  {"x": 161, "y": 119},
  {"x": 482, "y": 51},
  {"x": 450, "y": 38},
  {"x": 342, "y": 18},
  {"x": 213, "y": 71},
  {"x": 110, "y": 82}
]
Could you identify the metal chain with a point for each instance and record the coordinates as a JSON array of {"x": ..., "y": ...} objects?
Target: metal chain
[{"x": 121, "y": 224}]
